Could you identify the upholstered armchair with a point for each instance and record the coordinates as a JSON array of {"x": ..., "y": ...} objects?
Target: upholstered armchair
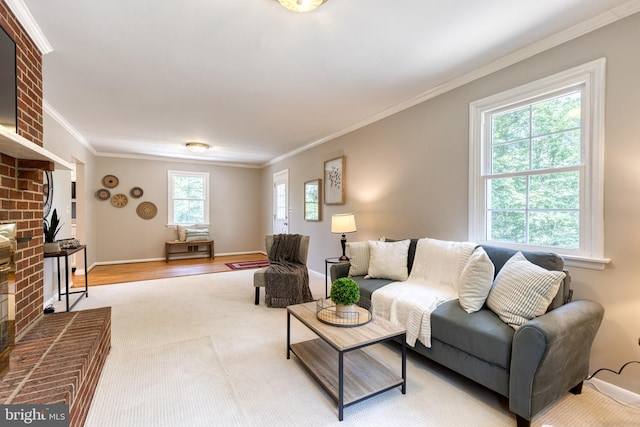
[{"x": 258, "y": 276}]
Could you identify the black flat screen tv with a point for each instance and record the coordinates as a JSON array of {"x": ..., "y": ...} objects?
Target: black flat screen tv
[{"x": 8, "y": 91}]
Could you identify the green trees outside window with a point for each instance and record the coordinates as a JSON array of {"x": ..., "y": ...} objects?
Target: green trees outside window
[{"x": 533, "y": 188}]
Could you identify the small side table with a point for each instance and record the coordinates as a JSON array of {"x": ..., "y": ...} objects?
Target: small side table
[
  {"x": 65, "y": 253},
  {"x": 327, "y": 261}
]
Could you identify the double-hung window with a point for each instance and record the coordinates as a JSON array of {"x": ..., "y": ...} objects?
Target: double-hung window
[
  {"x": 536, "y": 156},
  {"x": 188, "y": 198}
]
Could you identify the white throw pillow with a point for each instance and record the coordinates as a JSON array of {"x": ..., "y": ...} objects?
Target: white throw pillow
[
  {"x": 182, "y": 233},
  {"x": 440, "y": 262},
  {"x": 358, "y": 253},
  {"x": 475, "y": 281},
  {"x": 388, "y": 260},
  {"x": 523, "y": 290}
]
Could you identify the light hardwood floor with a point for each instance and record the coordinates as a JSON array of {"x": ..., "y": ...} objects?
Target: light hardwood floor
[{"x": 133, "y": 272}]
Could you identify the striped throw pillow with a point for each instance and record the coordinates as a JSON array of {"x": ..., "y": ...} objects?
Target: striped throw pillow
[
  {"x": 522, "y": 291},
  {"x": 358, "y": 253},
  {"x": 196, "y": 234}
]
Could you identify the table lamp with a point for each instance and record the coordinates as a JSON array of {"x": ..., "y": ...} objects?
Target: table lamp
[{"x": 342, "y": 224}]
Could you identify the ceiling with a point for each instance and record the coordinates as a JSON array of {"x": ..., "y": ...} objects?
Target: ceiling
[{"x": 258, "y": 82}]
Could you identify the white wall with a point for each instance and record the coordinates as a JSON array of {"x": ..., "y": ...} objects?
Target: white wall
[{"x": 60, "y": 142}]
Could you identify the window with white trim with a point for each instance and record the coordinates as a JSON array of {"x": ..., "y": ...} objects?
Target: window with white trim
[
  {"x": 536, "y": 165},
  {"x": 188, "y": 198}
]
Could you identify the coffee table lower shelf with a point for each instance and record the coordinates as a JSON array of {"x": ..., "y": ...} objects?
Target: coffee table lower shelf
[{"x": 363, "y": 376}]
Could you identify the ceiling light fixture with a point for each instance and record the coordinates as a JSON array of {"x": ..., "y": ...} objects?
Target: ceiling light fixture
[
  {"x": 197, "y": 147},
  {"x": 301, "y": 5}
]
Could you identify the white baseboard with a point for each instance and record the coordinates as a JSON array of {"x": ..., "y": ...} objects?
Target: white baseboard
[
  {"x": 131, "y": 261},
  {"x": 613, "y": 391}
]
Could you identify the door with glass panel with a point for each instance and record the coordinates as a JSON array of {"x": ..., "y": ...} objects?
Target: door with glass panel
[{"x": 281, "y": 202}]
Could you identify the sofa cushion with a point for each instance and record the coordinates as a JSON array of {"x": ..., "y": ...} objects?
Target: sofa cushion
[
  {"x": 368, "y": 287},
  {"x": 388, "y": 260},
  {"x": 358, "y": 253},
  {"x": 481, "y": 334},
  {"x": 523, "y": 290},
  {"x": 475, "y": 281}
]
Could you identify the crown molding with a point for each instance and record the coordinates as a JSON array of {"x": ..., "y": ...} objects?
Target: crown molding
[
  {"x": 585, "y": 27},
  {"x": 177, "y": 160},
  {"x": 47, "y": 108},
  {"x": 26, "y": 19}
]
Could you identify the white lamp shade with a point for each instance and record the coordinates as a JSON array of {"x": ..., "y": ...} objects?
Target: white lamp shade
[{"x": 343, "y": 223}]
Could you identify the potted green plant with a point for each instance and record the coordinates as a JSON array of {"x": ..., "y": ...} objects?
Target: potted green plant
[
  {"x": 344, "y": 294},
  {"x": 51, "y": 229}
]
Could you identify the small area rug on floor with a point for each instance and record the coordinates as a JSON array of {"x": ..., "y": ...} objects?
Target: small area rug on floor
[{"x": 244, "y": 265}]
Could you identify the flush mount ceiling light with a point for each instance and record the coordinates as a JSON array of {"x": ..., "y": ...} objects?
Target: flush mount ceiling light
[
  {"x": 301, "y": 5},
  {"x": 197, "y": 147}
]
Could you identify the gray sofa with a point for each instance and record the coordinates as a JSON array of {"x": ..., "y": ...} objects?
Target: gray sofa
[{"x": 532, "y": 366}]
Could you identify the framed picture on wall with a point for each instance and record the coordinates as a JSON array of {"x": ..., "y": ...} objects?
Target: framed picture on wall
[
  {"x": 312, "y": 204},
  {"x": 334, "y": 181}
]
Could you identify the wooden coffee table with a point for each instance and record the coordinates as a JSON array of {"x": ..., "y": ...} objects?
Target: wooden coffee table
[{"x": 338, "y": 361}]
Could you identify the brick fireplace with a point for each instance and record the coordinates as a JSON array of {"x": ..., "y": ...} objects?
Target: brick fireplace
[
  {"x": 21, "y": 180},
  {"x": 57, "y": 358}
]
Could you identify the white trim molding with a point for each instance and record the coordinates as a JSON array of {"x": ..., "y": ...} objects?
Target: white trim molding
[
  {"x": 604, "y": 19},
  {"x": 591, "y": 76},
  {"x": 28, "y": 22},
  {"x": 618, "y": 394},
  {"x": 53, "y": 113}
]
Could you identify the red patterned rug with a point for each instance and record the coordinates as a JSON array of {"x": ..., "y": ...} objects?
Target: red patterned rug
[{"x": 247, "y": 264}]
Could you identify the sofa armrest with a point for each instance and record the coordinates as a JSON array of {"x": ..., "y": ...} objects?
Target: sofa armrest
[
  {"x": 339, "y": 270},
  {"x": 550, "y": 355}
]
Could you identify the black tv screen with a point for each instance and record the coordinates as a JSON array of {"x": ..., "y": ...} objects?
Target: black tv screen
[{"x": 8, "y": 96}]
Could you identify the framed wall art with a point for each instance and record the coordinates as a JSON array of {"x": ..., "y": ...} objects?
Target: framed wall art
[
  {"x": 312, "y": 204},
  {"x": 334, "y": 181}
]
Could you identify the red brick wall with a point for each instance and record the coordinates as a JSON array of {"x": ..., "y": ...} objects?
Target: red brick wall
[{"x": 21, "y": 181}]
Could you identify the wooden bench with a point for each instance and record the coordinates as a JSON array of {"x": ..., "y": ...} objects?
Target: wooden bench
[{"x": 196, "y": 246}]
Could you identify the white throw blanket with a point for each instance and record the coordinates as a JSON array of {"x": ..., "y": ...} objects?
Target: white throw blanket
[{"x": 433, "y": 280}]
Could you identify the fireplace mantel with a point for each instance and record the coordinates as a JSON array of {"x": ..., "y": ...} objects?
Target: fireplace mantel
[{"x": 21, "y": 148}]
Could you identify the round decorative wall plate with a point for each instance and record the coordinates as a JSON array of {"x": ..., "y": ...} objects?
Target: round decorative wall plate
[
  {"x": 110, "y": 181},
  {"x": 103, "y": 194},
  {"x": 146, "y": 210},
  {"x": 119, "y": 200},
  {"x": 136, "y": 192}
]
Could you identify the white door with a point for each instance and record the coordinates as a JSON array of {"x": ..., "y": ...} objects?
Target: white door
[{"x": 281, "y": 202}]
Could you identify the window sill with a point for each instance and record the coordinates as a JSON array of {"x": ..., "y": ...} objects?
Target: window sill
[{"x": 585, "y": 262}]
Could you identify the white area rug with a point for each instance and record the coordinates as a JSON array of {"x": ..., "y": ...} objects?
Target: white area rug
[
  {"x": 196, "y": 351},
  {"x": 178, "y": 378}
]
